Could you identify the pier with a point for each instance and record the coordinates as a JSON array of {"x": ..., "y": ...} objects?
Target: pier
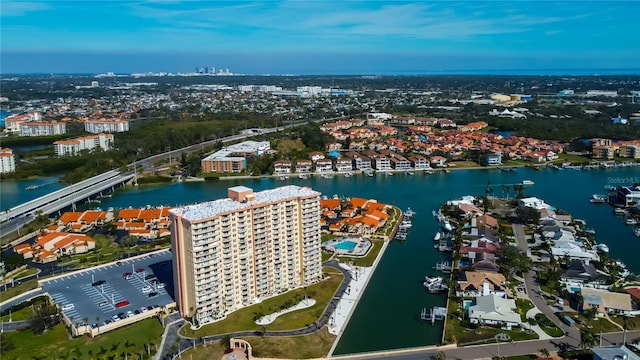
[
  {"x": 444, "y": 266},
  {"x": 436, "y": 313}
]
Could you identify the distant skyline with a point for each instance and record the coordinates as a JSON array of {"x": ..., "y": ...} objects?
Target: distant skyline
[{"x": 318, "y": 37}]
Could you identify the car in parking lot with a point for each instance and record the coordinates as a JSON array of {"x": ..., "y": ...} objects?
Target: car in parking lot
[
  {"x": 160, "y": 286},
  {"x": 122, "y": 316},
  {"x": 68, "y": 307},
  {"x": 153, "y": 294},
  {"x": 115, "y": 318},
  {"x": 137, "y": 312},
  {"x": 146, "y": 289},
  {"x": 104, "y": 303},
  {"x": 139, "y": 270},
  {"x": 108, "y": 321},
  {"x": 98, "y": 283},
  {"x": 143, "y": 309},
  {"x": 129, "y": 313},
  {"x": 126, "y": 275},
  {"x": 119, "y": 263},
  {"x": 122, "y": 303}
]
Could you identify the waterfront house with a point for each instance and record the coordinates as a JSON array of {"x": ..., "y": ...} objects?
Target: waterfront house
[
  {"x": 324, "y": 165},
  {"x": 533, "y": 202},
  {"x": 304, "y": 166},
  {"x": 572, "y": 250},
  {"x": 484, "y": 221},
  {"x": 480, "y": 283},
  {"x": 381, "y": 162},
  {"x": 493, "y": 159},
  {"x": 468, "y": 210},
  {"x": 581, "y": 272},
  {"x": 419, "y": 162},
  {"x": 494, "y": 310},
  {"x": 316, "y": 155},
  {"x": 614, "y": 352},
  {"x": 606, "y": 301},
  {"x": 282, "y": 167},
  {"x": 344, "y": 165},
  {"x": 627, "y": 196},
  {"x": 438, "y": 161}
]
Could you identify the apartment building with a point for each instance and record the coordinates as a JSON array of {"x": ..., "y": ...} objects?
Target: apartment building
[
  {"x": 233, "y": 158},
  {"x": 73, "y": 147},
  {"x": 7, "y": 161},
  {"x": 107, "y": 126},
  {"x": 230, "y": 253},
  {"x": 42, "y": 128}
]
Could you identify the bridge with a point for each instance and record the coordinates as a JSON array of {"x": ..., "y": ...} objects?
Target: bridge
[{"x": 67, "y": 196}]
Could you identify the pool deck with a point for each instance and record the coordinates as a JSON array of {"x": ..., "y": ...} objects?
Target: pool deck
[{"x": 347, "y": 303}]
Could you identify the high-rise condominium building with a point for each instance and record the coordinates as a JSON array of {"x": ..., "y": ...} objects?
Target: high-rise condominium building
[{"x": 233, "y": 252}]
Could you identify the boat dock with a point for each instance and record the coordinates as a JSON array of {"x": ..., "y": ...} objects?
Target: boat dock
[
  {"x": 444, "y": 266},
  {"x": 436, "y": 313}
]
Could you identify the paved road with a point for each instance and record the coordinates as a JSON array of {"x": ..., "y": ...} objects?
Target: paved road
[
  {"x": 172, "y": 338},
  {"x": 536, "y": 295}
]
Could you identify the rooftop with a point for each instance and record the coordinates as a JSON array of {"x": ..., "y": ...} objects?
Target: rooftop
[{"x": 211, "y": 209}]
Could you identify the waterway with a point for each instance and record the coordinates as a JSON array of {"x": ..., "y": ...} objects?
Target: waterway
[{"x": 388, "y": 315}]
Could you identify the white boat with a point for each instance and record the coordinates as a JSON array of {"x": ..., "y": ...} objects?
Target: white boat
[
  {"x": 438, "y": 236},
  {"x": 405, "y": 224},
  {"x": 631, "y": 221},
  {"x": 409, "y": 213},
  {"x": 527, "y": 182},
  {"x": 598, "y": 198},
  {"x": 619, "y": 211},
  {"x": 636, "y": 232},
  {"x": 435, "y": 284},
  {"x": 347, "y": 174},
  {"x": 447, "y": 226},
  {"x": 602, "y": 248},
  {"x": 284, "y": 177},
  {"x": 303, "y": 176}
]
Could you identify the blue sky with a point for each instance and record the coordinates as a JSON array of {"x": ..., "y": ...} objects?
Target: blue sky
[{"x": 316, "y": 37}]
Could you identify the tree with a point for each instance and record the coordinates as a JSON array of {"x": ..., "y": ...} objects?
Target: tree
[
  {"x": 528, "y": 215},
  {"x": 129, "y": 241},
  {"x": 46, "y": 317},
  {"x": 591, "y": 313},
  {"x": 587, "y": 338},
  {"x": 225, "y": 342},
  {"x": 513, "y": 261},
  {"x": 518, "y": 190},
  {"x": 440, "y": 355},
  {"x": 544, "y": 352}
]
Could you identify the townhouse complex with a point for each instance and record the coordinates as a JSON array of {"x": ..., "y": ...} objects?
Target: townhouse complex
[
  {"x": 230, "y": 253},
  {"x": 75, "y": 146}
]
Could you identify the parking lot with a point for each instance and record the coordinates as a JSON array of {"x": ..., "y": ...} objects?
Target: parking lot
[{"x": 109, "y": 293}]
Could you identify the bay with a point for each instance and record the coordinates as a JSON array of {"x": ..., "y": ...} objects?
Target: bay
[{"x": 388, "y": 314}]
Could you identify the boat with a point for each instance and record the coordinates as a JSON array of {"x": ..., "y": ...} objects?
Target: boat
[
  {"x": 636, "y": 232},
  {"x": 527, "y": 182},
  {"x": 348, "y": 174},
  {"x": 409, "y": 213},
  {"x": 602, "y": 248},
  {"x": 598, "y": 198},
  {"x": 31, "y": 187},
  {"x": 438, "y": 236},
  {"x": 447, "y": 225},
  {"x": 620, "y": 211},
  {"x": 303, "y": 176},
  {"x": 435, "y": 284},
  {"x": 555, "y": 167},
  {"x": 631, "y": 221},
  {"x": 405, "y": 224},
  {"x": 590, "y": 231},
  {"x": 284, "y": 177}
]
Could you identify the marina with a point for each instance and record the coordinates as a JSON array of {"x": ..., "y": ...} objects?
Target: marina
[{"x": 403, "y": 263}]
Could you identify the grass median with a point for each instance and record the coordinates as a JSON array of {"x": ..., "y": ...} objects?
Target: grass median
[{"x": 243, "y": 319}]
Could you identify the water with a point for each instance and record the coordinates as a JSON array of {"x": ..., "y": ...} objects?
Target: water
[
  {"x": 388, "y": 315},
  {"x": 14, "y": 192}
]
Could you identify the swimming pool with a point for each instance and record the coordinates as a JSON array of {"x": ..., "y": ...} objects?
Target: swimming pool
[{"x": 346, "y": 245}]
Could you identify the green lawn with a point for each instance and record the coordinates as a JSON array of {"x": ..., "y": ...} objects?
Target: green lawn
[
  {"x": 523, "y": 306},
  {"x": 22, "y": 273},
  {"x": 368, "y": 259},
  {"x": 243, "y": 319},
  {"x": 19, "y": 289},
  {"x": 55, "y": 343},
  {"x": 548, "y": 326}
]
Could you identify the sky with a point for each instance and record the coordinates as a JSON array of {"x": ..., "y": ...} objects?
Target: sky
[{"x": 318, "y": 36}]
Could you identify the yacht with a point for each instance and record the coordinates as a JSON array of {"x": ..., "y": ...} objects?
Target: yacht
[
  {"x": 438, "y": 236},
  {"x": 602, "y": 248},
  {"x": 598, "y": 198},
  {"x": 435, "y": 284},
  {"x": 527, "y": 182},
  {"x": 405, "y": 224},
  {"x": 409, "y": 213},
  {"x": 631, "y": 221}
]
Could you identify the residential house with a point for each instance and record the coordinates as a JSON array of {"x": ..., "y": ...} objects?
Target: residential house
[
  {"x": 606, "y": 301},
  {"x": 324, "y": 165},
  {"x": 480, "y": 283},
  {"x": 316, "y": 155},
  {"x": 344, "y": 165},
  {"x": 494, "y": 310},
  {"x": 419, "y": 162},
  {"x": 282, "y": 167},
  {"x": 304, "y": 166},
  {"x": 580, "y": 272},
  {"x": 438, "y": 161}
]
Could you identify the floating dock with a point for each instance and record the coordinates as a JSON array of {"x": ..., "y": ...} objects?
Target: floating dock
[{"x": 436, "y": 313}]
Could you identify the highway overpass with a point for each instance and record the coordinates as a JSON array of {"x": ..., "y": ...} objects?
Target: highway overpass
[{"x": 68, "y": 196}]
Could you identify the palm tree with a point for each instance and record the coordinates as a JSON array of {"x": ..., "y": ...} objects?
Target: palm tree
[
  {"x": 439, "y": 356},
  {"x": 587, "y": 338},
  {"x": 544, "y": 352},
  {"x": 627, "y": 324},
  {"x": 591, "y": 313},
  {"x": 98, "y": 323}
]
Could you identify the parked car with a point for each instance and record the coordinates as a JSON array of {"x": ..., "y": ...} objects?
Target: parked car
[
  {"x": 104, "y": 303},
  {"x": 126, "y": 275},
  {"x": 146, "y": 289},
  {"x": 68, "y": 307},
  {"x": 129, "y": 313},
  {"x": 139, "y": 270},
  {"x": 122, "y": 303},
  {"x": 160, "y": 286},
  {"x": 153, "y": 294},
  {"x": 115, "y": 318},
  {"x": 98, "y": 283},
  {"x": 122, "y": 316}
]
